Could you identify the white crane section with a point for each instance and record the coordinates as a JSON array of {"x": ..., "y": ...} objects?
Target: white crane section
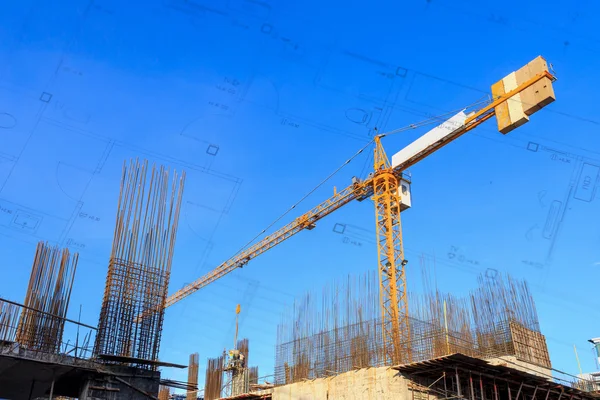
[{"x": 429, "y": 141}]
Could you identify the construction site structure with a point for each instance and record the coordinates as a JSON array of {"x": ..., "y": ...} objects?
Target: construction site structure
[
  {"x": 515, "y": 98},
  {"x": 236, "y": 368},
  {"x": 34, "y": 358},
  {"x": 49, "y": 290},
  {"x": 125, "y": 360},
  {"x": 139, "y": 268},
  {"x": 487, "y": 346},
  {"x": 230, "y": 374},
  {"x": 232, "y": 368},
  {"x": 236, "y": 361},
  {"x": 192, "y": 392},
  {"x": 213, "y": 381},
  {"x": 164, "y": 393},
  {"x": 455, "y": 376},
  {"x": 340, "y": 332}
]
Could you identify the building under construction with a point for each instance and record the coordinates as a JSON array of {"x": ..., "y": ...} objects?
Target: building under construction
[
  {"x": 486, "y": 346},
  {"x": 35, "y": 361},
  {"x": 377, "y": 341}
]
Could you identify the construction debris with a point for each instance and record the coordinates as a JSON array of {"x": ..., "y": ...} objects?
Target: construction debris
[
  {"x": 49, "y": 291},
  {"x": 140, "y": 265}
]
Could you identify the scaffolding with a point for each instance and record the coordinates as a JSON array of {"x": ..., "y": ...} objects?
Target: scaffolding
[
  {"x": 230, "y": 375},
  {"x": 140, "y": 265}
]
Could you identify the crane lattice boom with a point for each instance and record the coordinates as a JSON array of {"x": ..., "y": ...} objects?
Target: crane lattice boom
[{"x": 532, "y": 83}]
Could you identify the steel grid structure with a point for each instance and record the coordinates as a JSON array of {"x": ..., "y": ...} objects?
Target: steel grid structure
[
  {"x": 214, "y": 378},
  {"x": 140, "y": 264},
  {"x": 49, "y": 291},
  {"x": 318, "y": 344},
  {"x": 336, "y": 351},
  {"x": 390, "y": 258},
  {"x": 382, "y": 184}
]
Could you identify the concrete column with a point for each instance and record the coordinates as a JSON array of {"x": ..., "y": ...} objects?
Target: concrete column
[
  {"x": 83, "y": 393},
  {"x": 51, "y": 389}
]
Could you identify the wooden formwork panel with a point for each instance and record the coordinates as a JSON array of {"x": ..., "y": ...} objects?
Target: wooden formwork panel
[{"x": 530, "y": 345}]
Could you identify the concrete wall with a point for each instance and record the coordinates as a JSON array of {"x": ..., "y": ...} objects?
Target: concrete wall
[
  {"x": 377, "y": 383},
  {"x": 514, "y": 362},
  {"x": 363, "y": 384}
]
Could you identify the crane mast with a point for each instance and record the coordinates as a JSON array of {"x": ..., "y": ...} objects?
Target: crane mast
[
  {"x": 390, "y": 259},
  {"x": 515, "y": 97}
]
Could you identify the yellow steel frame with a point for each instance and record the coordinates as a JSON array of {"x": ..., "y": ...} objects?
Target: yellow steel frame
[
  {"x": 390, "y": 259},
  {"x": 305, "y": 221},
  {"x": 383, "y": 186}
]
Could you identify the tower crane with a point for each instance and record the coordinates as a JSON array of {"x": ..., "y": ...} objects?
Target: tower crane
[{"x": 514, "y": 99}]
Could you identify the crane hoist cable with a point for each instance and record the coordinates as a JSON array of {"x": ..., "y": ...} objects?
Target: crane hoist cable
[
  {"x": 429, "y": 121},
  {"x": 384, "y": 185}
]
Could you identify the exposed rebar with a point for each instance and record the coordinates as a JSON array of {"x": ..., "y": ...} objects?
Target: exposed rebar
[
  {"x": 193, "y": 377},
  {"x": 340, "y": 331},
  {"x": 140, "y": 264},
  {"x": 49, "y": 291},
  {"x": 214, "y": 378},
  {"x": 9, "y": 315}
]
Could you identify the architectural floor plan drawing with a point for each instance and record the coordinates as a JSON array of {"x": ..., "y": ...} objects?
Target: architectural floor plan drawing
[{"x": 271, "y": 108}]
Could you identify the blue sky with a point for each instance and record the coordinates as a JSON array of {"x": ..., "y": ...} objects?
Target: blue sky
[{"x": 258, "y": 102}]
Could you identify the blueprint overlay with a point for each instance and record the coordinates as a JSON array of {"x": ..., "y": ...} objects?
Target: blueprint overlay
[{"x": 258, "y": 101}]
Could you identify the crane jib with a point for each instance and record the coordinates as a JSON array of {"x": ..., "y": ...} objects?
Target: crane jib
[
  {"x": 303, "y": 222},
  {"x": 534, "y": 85}
]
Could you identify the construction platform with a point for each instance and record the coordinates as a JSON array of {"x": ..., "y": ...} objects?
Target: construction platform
[
  {"x": 27, "y": 374},
  {"x": 453, "y": 376}
]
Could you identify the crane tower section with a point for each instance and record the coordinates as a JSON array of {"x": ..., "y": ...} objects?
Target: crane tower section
[{"x": 387, "y": 198}]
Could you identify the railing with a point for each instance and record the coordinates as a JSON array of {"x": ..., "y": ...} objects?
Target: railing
[{"x": 74, "y": 341}]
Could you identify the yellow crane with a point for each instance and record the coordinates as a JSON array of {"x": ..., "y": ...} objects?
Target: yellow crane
[{"x": 514, "y": 99}]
